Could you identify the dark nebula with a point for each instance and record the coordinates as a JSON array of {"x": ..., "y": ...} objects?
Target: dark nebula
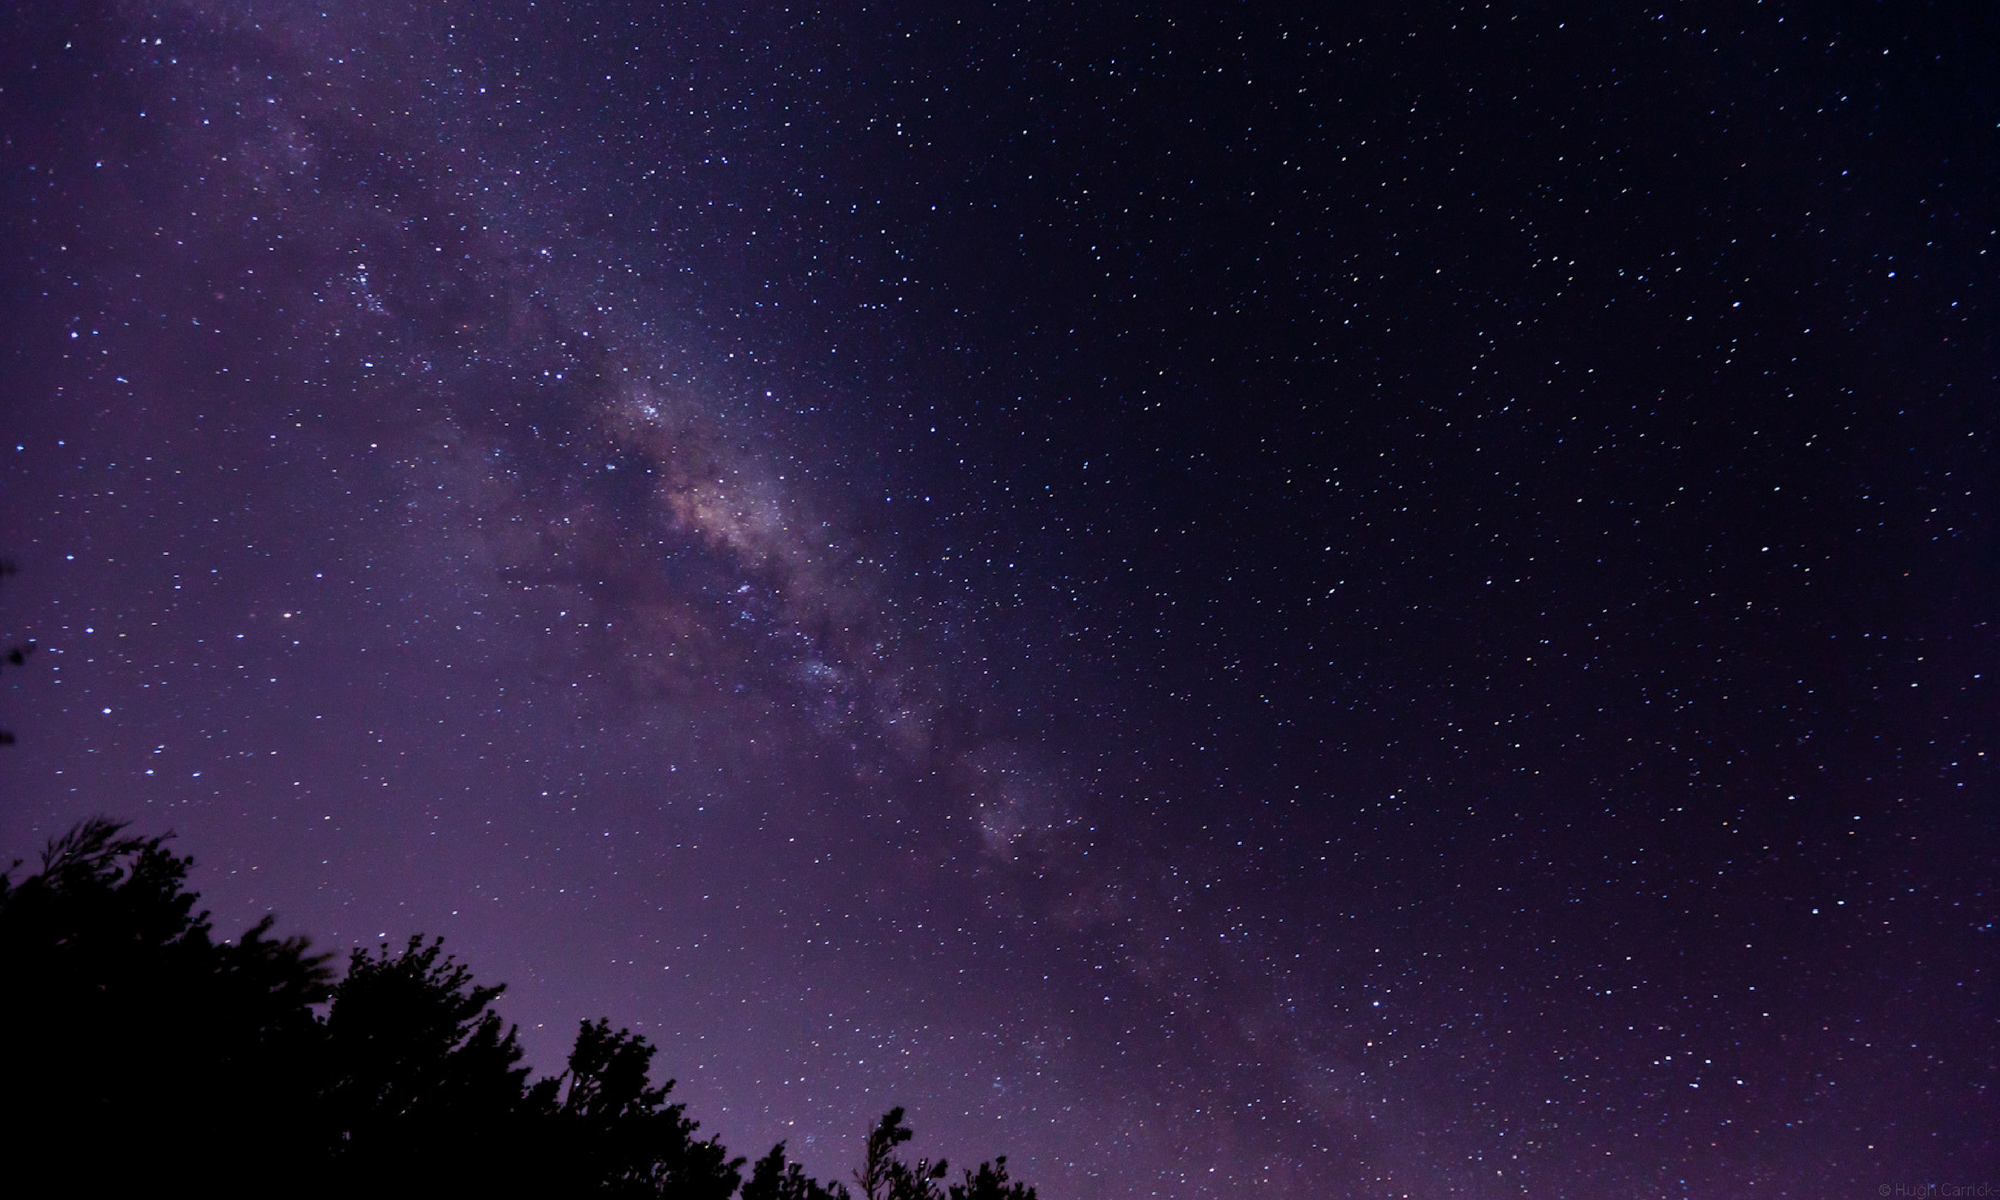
[{"x": 1222, "y": 600}]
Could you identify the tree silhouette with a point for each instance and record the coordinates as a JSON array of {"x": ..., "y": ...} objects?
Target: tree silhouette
[
  {"x": 422, "y": 1084},
  {"x": 991, "y": 1183},
  {"x": 609, "y": 1129},
  {"x": 151, "y": 1045},
  {"x": 141, "y": 1033},
  {"x": 773, "y": 1178},
  {"x": 883, "y": 1174}
]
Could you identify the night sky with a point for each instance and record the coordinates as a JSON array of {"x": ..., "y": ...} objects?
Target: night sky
[{"x": 1225, "y": 600}]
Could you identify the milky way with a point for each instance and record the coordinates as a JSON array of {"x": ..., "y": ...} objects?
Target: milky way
[{"x": 1222, "y": 605}]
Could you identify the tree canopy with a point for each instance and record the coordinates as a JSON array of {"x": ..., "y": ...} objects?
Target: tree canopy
[{"x": 250, "y": 1066}]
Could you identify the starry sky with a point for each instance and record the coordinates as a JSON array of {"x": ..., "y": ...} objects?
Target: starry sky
[{"x": 1226, "y": 600}]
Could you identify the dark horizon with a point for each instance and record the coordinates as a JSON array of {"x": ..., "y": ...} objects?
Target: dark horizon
[{"x": 1218, "y": 599}]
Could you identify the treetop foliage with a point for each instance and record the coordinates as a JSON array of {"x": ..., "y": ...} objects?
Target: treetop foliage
[
  {"x": 250, "y": 1067},
  {"x": 773, "y": 1178}
]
